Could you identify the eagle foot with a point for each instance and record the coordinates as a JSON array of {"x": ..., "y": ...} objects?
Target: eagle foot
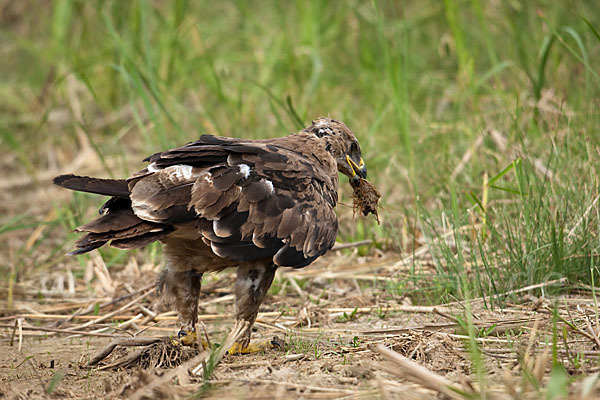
[{"x": 188, "y": 338}]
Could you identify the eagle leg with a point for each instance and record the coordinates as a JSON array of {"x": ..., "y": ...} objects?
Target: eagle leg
[
  {"x": 251, "y": 286},
  {"x": 181, "y": 289}
]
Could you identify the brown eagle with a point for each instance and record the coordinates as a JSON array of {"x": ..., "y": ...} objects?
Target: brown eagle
[{"x": 224, "y": 202}]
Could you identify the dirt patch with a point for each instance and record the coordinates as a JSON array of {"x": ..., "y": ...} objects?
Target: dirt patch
[
  {"x": 328, "y": 328},
  {"x": 54, "y": 367}
]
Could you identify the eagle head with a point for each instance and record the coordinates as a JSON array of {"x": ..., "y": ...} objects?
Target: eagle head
[{"x": 341, "y": 143}]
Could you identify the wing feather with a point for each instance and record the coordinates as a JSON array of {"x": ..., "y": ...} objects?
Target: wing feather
[{"x": 270, "y": 198}]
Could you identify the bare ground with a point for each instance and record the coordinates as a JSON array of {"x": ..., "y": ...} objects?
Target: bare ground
[{"x": 327, "y": 321}]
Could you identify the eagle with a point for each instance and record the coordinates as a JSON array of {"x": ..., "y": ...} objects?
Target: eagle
[{"x": 221, "y": 202}]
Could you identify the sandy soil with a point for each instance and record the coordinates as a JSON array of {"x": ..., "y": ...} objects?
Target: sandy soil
[{"x": 327, "y": 321}]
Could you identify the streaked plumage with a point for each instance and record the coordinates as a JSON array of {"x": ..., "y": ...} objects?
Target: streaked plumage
[{"x": 220, "y": 202}]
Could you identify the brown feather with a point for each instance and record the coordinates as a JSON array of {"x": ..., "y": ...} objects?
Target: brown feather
[
  {"x": 109, "y": 187},
  {"x": 220, "y": 202},
  {"x": 272, "y": 198},
  {"x": 113, "y": 221},
  {"x": 140, "y": 241}
]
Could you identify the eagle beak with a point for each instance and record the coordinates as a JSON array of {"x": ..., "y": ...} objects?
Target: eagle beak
[{"x": 358, "y": 170}]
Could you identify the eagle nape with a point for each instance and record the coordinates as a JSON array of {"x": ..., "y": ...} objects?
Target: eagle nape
[{"x": 221, "y": 202}]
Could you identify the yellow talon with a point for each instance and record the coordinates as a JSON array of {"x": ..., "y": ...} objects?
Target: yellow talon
[
  {"x": 256, "y": 347},
  {"x": 189, "y": 339}
]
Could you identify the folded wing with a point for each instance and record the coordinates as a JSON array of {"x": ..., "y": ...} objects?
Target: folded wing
[{"x": 251, "y": 200}]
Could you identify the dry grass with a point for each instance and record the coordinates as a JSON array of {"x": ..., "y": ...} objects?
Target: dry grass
[{"x": 349, "y": 341}]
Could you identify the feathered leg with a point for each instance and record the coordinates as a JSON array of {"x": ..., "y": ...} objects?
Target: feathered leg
[
  {"x": 251, "y": 286},
  {"x": 181, "y": 289}
]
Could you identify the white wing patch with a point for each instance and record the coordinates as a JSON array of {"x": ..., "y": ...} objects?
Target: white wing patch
[
  {"x": 145, "y": 212},
  {"x": 180, "y": 171},
  {"x": 244, "y": 170},
  {"x": 270, "y": 186},
  {"x": 152, "y": 167},
  {"x": 206, "y": 177},
  {"x": 149, "y": 196}
]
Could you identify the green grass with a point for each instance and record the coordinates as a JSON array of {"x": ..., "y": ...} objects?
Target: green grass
[{"x": 419, "y": 83}]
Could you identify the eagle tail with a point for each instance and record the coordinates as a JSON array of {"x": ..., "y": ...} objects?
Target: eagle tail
[
  {"x": 127, "y": 239},
  {"x": 107, "y": 187},
  {"x": 118, "y": 225}
]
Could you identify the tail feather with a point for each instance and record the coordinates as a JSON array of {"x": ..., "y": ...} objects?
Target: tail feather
[
  {"x": 81, "y": 249},
  {"x": 118, "y": 224},
  {"x": 136, "y": 242},
  {"x": 132, "y": 237},
  {"x": 108, "y": 187},
  {"x": 112, "y": 221}
]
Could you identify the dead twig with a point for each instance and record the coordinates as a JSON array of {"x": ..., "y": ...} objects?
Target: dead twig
[
  {"x": 300, "y": 386},
  {"x": 91, "y": 307},
  {"x": 64, "y": 331},
  {"x": 20, "y": 329},
  {"x": 341, "y": 246},
  {"x": 586, "y": 212},
  {"x": 444, "y": 314},
  {"x": 467, "y": 156},
  {"x": 106, "y": 350},
  {"x": 110, "y": 314},
  {"x": 14, "y": 331},
  {"x": 592, "y": 332}
]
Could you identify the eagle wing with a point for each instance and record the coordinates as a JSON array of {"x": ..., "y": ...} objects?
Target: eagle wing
[{"x": 249, "y": 199}]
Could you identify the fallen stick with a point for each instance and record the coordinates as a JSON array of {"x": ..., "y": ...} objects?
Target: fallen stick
[
  {"x": 586, "y": 212},
  {"x": 292, "y": 385},
  {"x": 410, "y": 309},
  {"x": 168, "y": 316},
  {"x": 65, "y": 331},
  {"x": 111, "y": 314},
  {"x": 341, "y": 246},
  {"x": 106, "y": 350},
  {"x": 91, "y": 307},
  {"x": 94, "y": 318}
]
